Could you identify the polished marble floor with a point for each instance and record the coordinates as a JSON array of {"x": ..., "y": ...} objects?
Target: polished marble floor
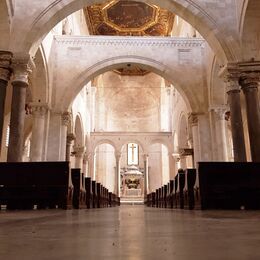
[{"x": 129, "y": 232}]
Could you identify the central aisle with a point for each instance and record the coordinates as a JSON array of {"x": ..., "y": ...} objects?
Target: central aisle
[{"x": 129, "y": 232}]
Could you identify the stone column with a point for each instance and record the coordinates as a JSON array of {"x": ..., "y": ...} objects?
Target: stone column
[
  {"x": 85, "y": 165},
  {"x": 172, "y": 165},
  {"x": 233, "y": 91},
  {"x": 146, "y": 174},
  {"x": 193, "y": 121},
  {"x": 91, "y": 166},
  {"x": 70, "y": 138},
  {"x": 39, "y": 111},
  {"x": 249, "y": 83},
  {"x": 117, "y": 177},
  {"x": 65, "y": 120},
  {"x": 93, "y": 107},
  {"x": 20, "y": 83},
  {"x": 5, "y": 73},
  {"x": 220, "y": 125},
  {"x": 79, "y": 151}
]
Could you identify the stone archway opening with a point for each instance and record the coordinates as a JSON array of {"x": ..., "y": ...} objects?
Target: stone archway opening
[{"x": 104, "y": 168}]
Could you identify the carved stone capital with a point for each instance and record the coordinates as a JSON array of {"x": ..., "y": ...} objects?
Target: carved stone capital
[
  {"x": 78, "y": 151},
  {"x": 249, "y": 80},
  {"x": 22, "y": 66},
  {"x": 70, "y": 137},
  {"x": 193, "y": 119},
  {"x": 39, "y": 109},
  {"x": 220, "y": 112},
  {"x": 231, "y": 74},
  {"x": 85, "y": 158},
  {"x": 5, "y": 65},
  {"x": 66, "y": 118}
]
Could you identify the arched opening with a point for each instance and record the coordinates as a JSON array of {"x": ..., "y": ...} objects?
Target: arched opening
[
  {"x": 159, "y": 170},
  {"x": 50, "y": 14},
  {"x": 105, "y": 166}
]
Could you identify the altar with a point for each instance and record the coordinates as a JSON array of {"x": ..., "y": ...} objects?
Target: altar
[{"x": 132, "y": 183}]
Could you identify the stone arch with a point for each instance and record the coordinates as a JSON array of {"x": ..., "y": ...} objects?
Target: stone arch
[
  {"x": 40, "y": 80},
  {"x": 104, "y": 141},
  {"x": 104, "y": 168},
  {"x": 190, "y": 100},
  {"x": 217, "y": 93},
  {"x": 162, "y": 142},
  {"x": 250, "y": 30},
  {"x": 204, "y": 22}
]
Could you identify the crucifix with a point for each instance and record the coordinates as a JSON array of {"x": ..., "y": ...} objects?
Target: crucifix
[{"x": 132, "y": 154}]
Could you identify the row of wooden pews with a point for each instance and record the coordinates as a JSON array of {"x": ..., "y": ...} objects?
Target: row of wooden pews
[
  {"x": 217, "y": 185},
  {"x": 182, "y": 192},
  {"x": 47, "y": 185},
  {"x": 91, "y": 194}
]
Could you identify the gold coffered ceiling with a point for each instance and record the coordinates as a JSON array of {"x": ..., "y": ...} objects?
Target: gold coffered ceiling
[{"x": 128, "y": 18}]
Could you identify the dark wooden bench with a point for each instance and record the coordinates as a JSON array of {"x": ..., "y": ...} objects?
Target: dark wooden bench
[
  {"x": 189, "y": 189},
  {"x": 229, "y": 185},
  {"x": 79, "y": 193},
  {"x": 89, "y": 196},
  {"x": 170, "y": 195},
  {"x": 179, "y": 192},
  {"x": 28, "y": 184}
]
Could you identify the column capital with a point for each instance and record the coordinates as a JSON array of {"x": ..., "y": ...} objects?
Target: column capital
[
  {"x": 249, "y": 80},
  {"x": 39, "y": 109},
  {"x": 78, "y": 151},
  {"x": 193, "y": 119},
  {"x": 70, "y": 137},
  {"x": 66, "y": 118},
  {"x": 22, "y": 66},
  {"x": 5, "y": 65},
  {"x": 231, "y": 74},
  {"x": 85, "y": 158},
  {"x": 220, "y": 111}
]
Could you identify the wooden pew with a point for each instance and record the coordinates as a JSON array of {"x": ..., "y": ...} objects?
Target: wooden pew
[
  {"x": 44, "y": 184},
  {"x": 229, "y": 185},
  {"x": 165, "y": 190},
  {"x": 94, "y": 194},
  {"x": 89, "y": 196},
  {"x": 189, "y": 190},
  {"x": 157, "y": 198},
  {"x": 153, "y": 199},
  {"x": 179, "y": 194},
  {"x": 79, "y": 193},
  {"x": 170, "y": 198},
  {"x": 98, "y": 195}
]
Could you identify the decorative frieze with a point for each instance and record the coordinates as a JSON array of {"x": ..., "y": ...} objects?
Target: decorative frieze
[{"x": 130, "y": 41}]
